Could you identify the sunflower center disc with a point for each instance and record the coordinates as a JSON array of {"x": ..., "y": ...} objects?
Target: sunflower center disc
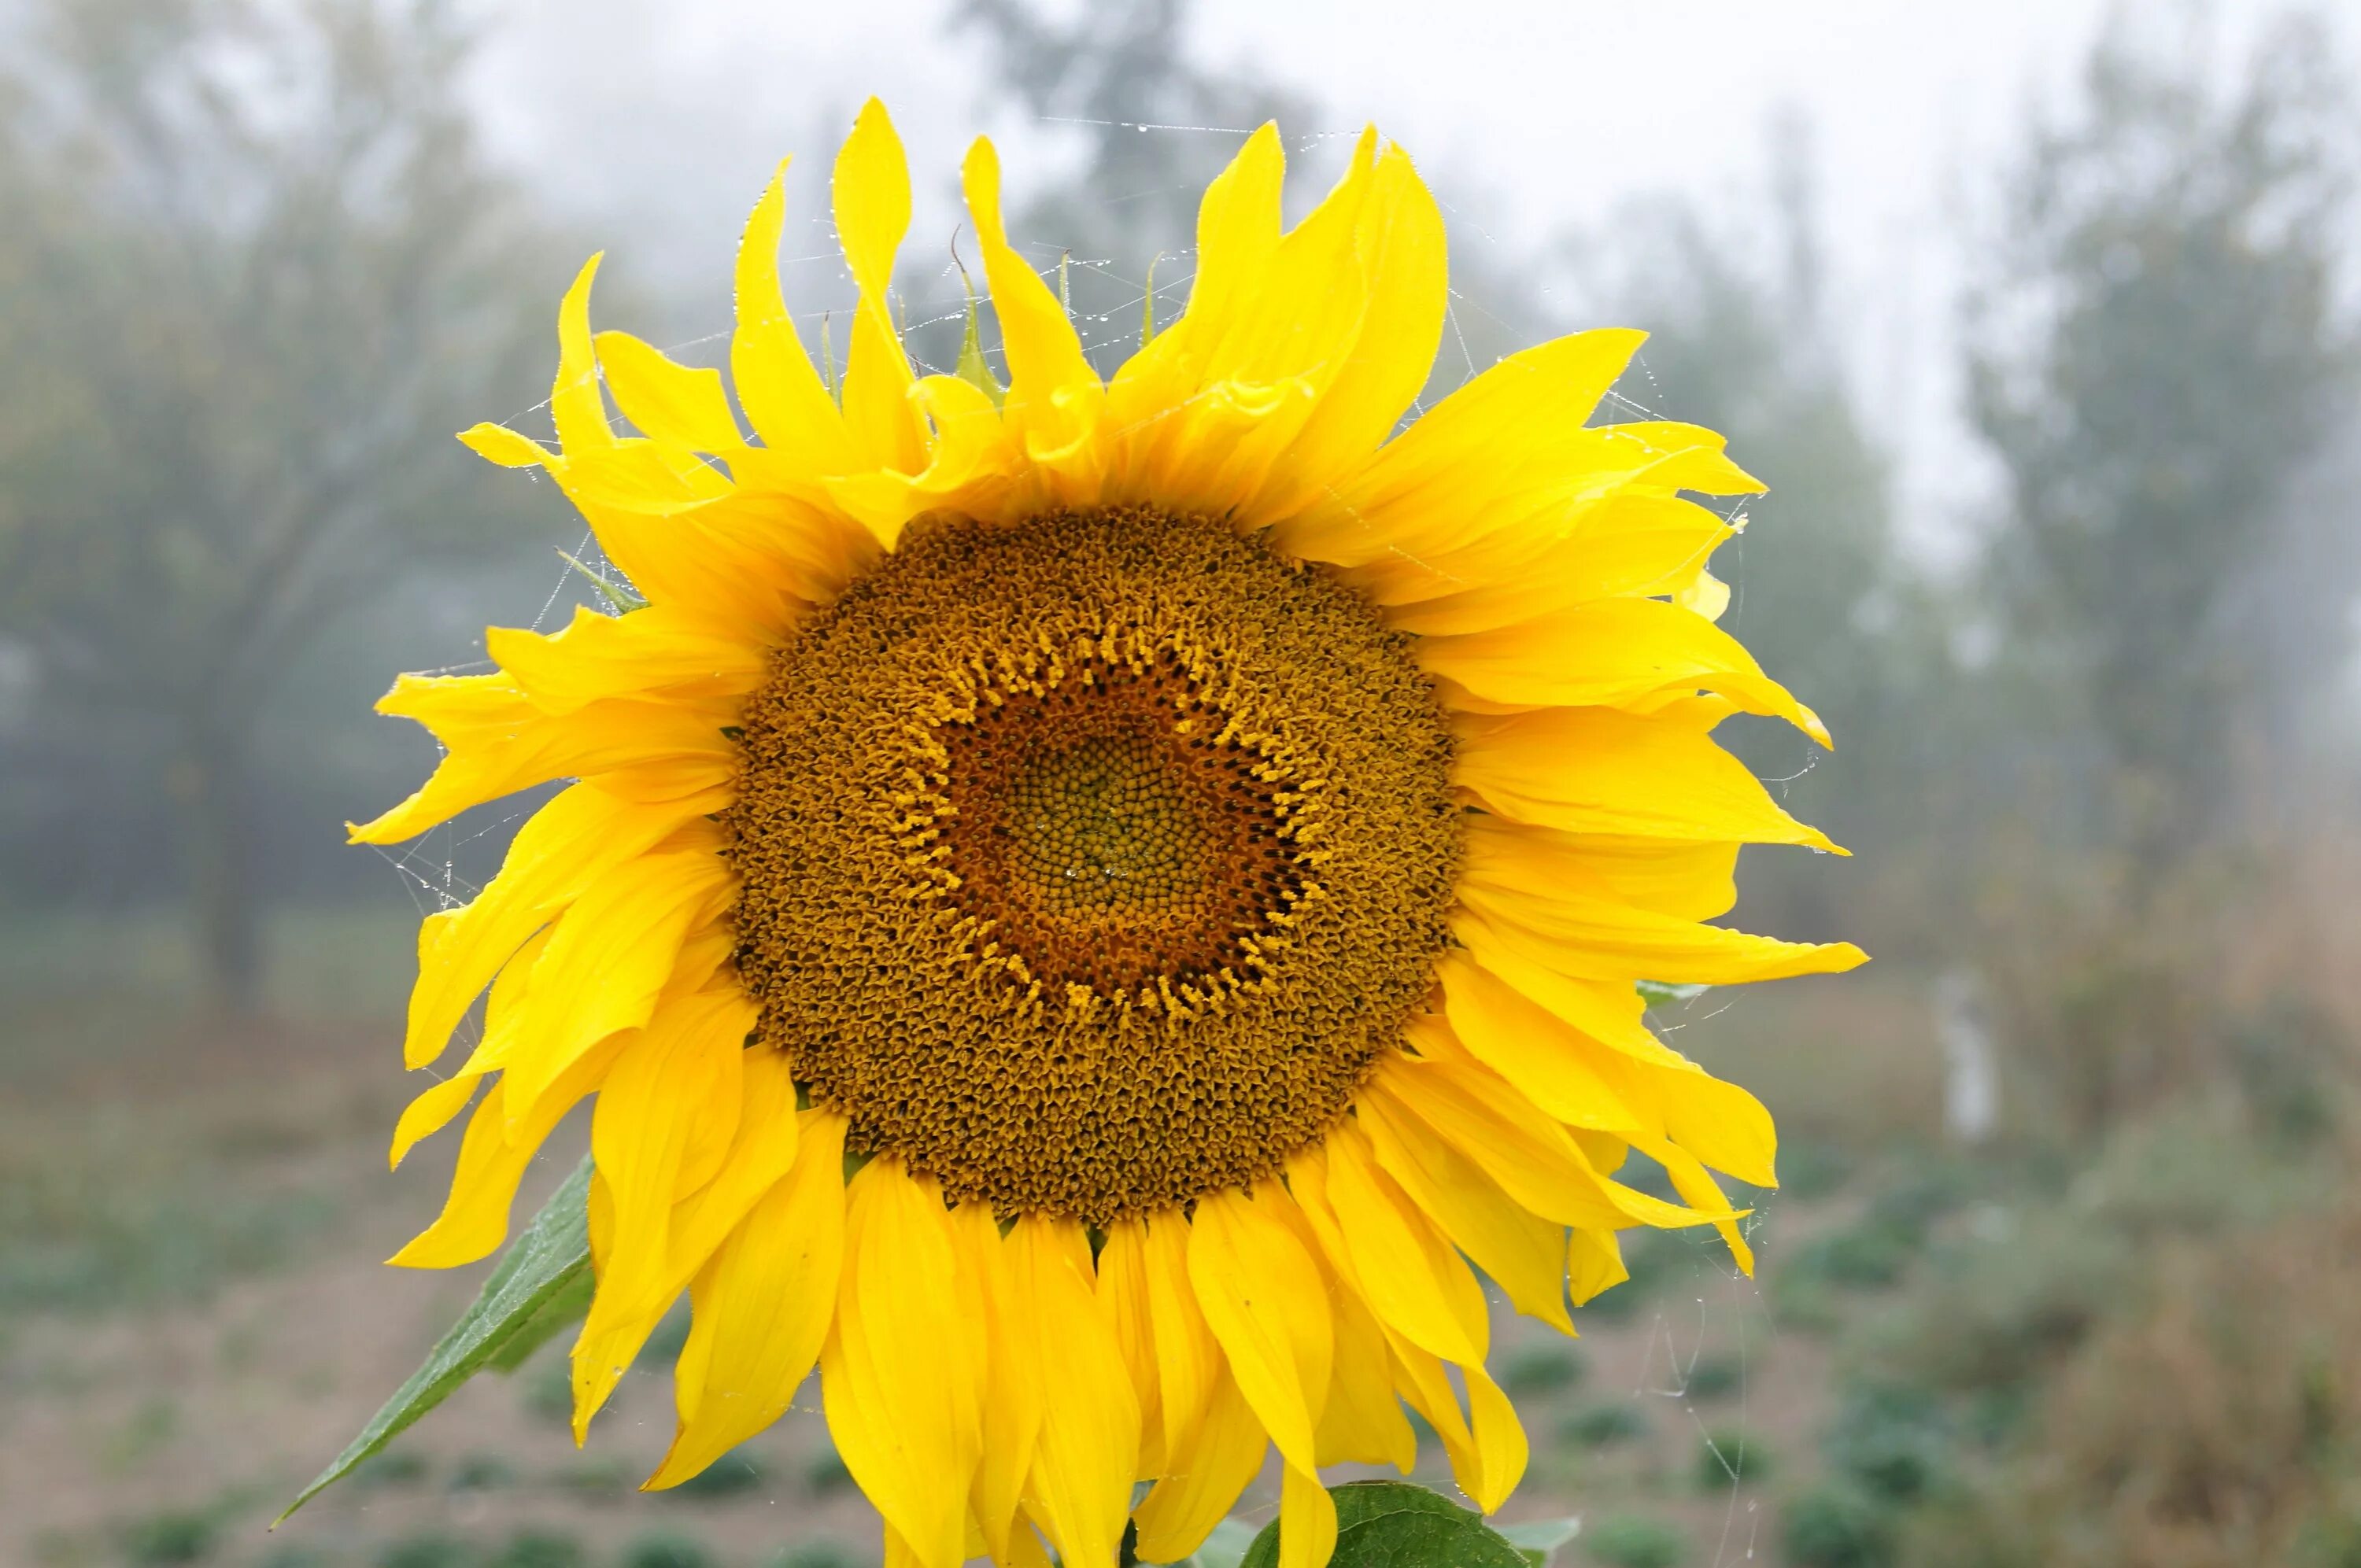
[
  {"x": 1089, "y": 864},
  {"x": 1109, "y": 839}
]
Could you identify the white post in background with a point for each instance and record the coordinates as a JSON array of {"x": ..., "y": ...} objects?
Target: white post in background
[{"x": 1971, "y": 1066}]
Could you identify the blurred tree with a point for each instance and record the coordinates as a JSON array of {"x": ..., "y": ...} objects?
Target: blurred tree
[
  {"x": 2157, "y": 358},
  {"x": 2156, "y": 352},
  {"x": 254, "y": 274}
]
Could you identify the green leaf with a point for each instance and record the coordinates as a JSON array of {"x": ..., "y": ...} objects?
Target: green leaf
[
  {"x": 1536, "y": 1538},
  {"x": 1227, "y": 1546},
  {"x": 1392, "y": 1524},
  {"x": 971, "y": 368},
  {"x": 621, "y": 596},
  {"x": 526, "y": 1297},
  {"x": 559, "y": 1313},
  {"x": 1147, "y": 304},
  {"x": 1663, "y": 994}
]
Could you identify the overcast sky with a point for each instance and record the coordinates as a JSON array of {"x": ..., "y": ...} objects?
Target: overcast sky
[{"x": 656, "y": 123}]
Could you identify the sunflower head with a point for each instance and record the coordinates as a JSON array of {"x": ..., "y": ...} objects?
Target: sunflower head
[{"x": 1092, "y": 914}]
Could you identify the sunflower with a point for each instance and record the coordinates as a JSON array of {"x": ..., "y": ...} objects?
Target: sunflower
[{"x": 1094, "y": 910}]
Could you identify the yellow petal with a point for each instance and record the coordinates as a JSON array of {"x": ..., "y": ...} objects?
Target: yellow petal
[
  {"x": 1363, "y": 1422},
  {"x": 1399, "y": 238},
  {"x": 1687, "y": 879},
  {"x": 429, "y": 1114},
  {"x": 751, "y": 563},
  {"x": 1611, "y": 652},
  {"x": 1705, "y": 595},
  {"x": 1684, "y": 457},
  {"x": 575, "y": 404},
  {"x": 1720, "y": 1124},
  {"x": 1629, "y": 540},
  {"x": 504, "y": 1009},
  {"x": 1238, "y": 229},
  {"x": 458, "y": 711},
  {"x": 1700, "y": 1192},
  {"x": 782, "y": 394},
  {"x": 1237, "y": 234},
  {"x": 1253, "y": 366},
  {"x": 1122, "y": 1273},
  {"x": 1013, "y": 1387},
  {"x": 762, "y": 1308},
  {"x": 760, "y": 1153},
  {"x": 611, "y": 956},
  {"x": 1263, "y": 1298},
  {"x": 1087, "y": 1450},
  {"x": 671, "y": 401},
  {"x": 1219, "y": 1455},
  {"x": 872, "y": 212},
  {"x": 1597, "y": 937},
  {"x": 1054, "y": 395},
  {"x": 1412, "y": 1276},
  {"x": 676, "y": 1086},
  {"x": 509, "y": 448},
  {"x": 1610, "y": 1010},
  {"x": 1594, "y": 1264},
  {"x": 1498, "y": 1441},
  {"x": 1188, "y": 1358},
  {"x": 1488, "y": 1454},
  {"x": 1597, "y": 769},
  {"x": 580, "y": 833},
  {"x": 896, "y": 1376},
  {"x": 1530, "y": 1155},
  {"x": 1477, "y": 447},
  {"x": 638, "y": 473},
  {"x": 1307, "y": 1521},
  {"x": 658, "y": 649},
  {"x": 492, "y": 1161},
  {"x": 1424, "y": 1384},
  {"x": 1532, "y": 1047},
  {"x": 1522, "y": 1252},
  {"x": 508, "y": 745}
]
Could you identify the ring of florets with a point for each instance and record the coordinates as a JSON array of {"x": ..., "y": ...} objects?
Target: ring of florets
[{"x": 1089, "y": 864}]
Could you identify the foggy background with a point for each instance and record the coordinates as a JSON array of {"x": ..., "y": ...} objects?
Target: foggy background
[{"x": 2038, "y": 319}]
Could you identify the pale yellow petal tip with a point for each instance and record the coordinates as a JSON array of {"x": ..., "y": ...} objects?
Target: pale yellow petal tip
[
  {"x": 583, "y": 1406},
  {"x": 1837, "y": 957},
  {"x": 980, "y": 183},
  {"x": 577, "y": 293},
  {"x": 669, "y": 1474},
  {"x": 499, "y": 443},
  {"x": 1812, "y": 838},
  {"x": 417, "y": 1255},
  {"x": 1810, "y": 724}
]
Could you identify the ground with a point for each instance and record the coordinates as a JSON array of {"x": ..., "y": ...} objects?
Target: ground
[{"x": 193, "y": 1315}]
